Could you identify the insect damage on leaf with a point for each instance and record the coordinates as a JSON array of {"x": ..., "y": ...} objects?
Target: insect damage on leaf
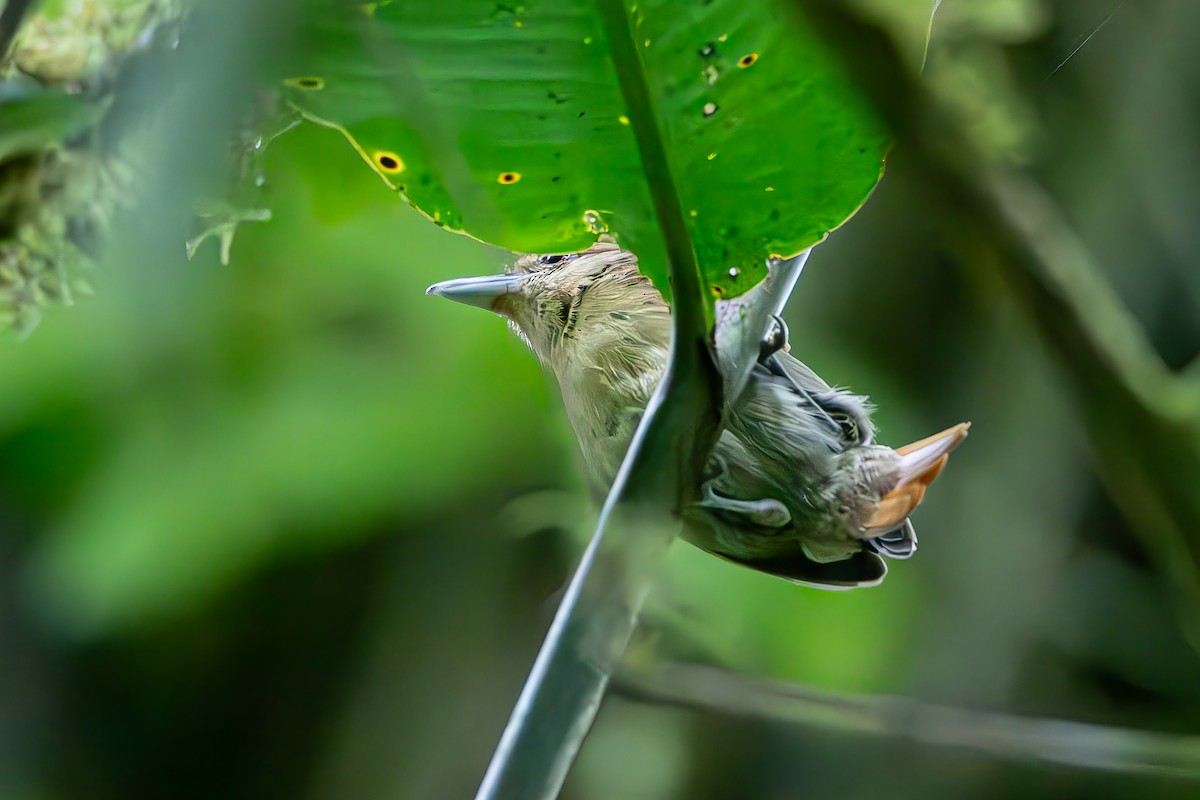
[{"x": 388, "y": 162}]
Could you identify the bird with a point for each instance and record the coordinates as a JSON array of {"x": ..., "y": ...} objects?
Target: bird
[{"x": 795, "y": 487}]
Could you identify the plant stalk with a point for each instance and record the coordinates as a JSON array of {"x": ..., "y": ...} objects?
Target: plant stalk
[{"x": 639, "y": 520}]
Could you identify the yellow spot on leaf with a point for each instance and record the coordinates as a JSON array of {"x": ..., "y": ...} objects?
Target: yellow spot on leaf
[
  {"x": 508, "y": 178},
  {"x": 769, "y": 189},
  {"x": 724, "y": 37},
  {"x": 309, "y": 83},
  {"x": 518, "y": 24},
  {"x": 693, "y": 213},
  {"x": 624, "y": 120},
  {"x": 595, "y": 222},
  {"x": 388, "y": 162},
  {"x": 587, "y": 40},
  {"x": 747, "y": 60},
  {"x": 711, "y": 156}
]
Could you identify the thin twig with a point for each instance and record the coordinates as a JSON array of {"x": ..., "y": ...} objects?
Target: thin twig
[
  {"x": 1083, "y": 42},
  {"x": 1000, "y": 735},
  {"x": 10, "y": 22},
  {"x": 599, "y": 611}
]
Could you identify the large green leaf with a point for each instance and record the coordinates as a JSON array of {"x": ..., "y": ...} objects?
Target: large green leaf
[{"x": 506, "y": 121}]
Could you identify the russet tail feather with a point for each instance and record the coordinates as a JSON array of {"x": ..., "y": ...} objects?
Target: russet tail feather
[
  {"x": 942, "y": 442},
  {"x": 920, "y": 464}
]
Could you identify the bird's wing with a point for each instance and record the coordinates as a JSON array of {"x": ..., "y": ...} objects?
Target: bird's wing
[
  {"x": 862, "y": 569},
  {"x": 802, "y": 374},
  {"x": 738, "y": 520},
  {"x": 850, "y": 412}
]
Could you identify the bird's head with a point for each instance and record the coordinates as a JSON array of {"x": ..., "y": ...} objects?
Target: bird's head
[{"x": 556, "y": 302}]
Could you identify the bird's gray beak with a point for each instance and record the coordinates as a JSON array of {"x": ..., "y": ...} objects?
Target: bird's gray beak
[{"x": 483, "y": 292}]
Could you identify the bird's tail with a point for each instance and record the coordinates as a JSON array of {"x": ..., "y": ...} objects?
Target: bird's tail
[{"x": 920, "y": 463}]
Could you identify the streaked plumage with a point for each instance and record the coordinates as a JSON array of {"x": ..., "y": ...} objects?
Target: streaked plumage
[{"x": 796, "y": 486}]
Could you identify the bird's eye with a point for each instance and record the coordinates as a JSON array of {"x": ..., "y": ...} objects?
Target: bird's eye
[{"x": 555, "y": 260}]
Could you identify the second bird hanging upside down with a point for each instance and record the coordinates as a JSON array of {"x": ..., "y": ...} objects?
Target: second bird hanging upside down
[{"x": 796, "y": 486}]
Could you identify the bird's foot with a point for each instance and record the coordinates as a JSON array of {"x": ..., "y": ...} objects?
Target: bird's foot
[
  {"x": 775, "y": 340},
  {"x": 764, "y": 513}
]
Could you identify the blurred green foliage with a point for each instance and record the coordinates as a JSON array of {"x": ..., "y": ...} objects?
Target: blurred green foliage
[
  {"x": 289, "y": 528},
  {"x": 301, "y": 388},
  {"x": 61, "y": 177}
]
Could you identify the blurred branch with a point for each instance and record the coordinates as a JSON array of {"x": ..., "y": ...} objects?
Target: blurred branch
[
  {"x": 11, "y": 18},
  {"x": 1000, "y": 735},
  {"x": 1143, "y": 422},
  {"x": 660, "y": 473}
]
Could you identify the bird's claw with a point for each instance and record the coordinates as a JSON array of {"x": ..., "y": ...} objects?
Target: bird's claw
[{"x": 776, "y": 339}]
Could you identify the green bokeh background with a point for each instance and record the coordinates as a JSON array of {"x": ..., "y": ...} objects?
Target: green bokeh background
[{"x": 290, "y": 528}]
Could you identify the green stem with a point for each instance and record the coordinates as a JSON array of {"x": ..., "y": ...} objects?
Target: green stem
[
  {"x": 684, "y": 272},
  {"x": 1005, "y": 736},
  {"x": 10, "y": 22},
  {"x": 638, "y": 523}
]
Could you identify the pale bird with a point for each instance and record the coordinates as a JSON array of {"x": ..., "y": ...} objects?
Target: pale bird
[{"x": 795, "y": 487}]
